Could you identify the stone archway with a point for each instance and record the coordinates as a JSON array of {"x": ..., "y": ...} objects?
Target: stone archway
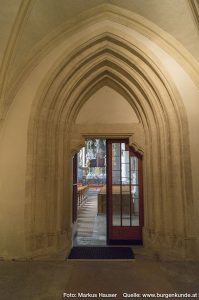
[{"x": 115, "y": 62}]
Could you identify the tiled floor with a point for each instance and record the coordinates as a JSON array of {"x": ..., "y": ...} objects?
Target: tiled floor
[{"x": 91, "y": 226}]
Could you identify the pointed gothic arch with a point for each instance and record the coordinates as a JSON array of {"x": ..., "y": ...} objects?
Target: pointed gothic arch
[{"x": 110, "y": 60}]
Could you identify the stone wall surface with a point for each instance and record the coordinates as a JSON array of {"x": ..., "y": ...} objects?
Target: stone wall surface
[{"x": 40, "y": 134}]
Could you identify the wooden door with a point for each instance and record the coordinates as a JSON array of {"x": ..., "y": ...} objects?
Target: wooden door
[{"x": 124, "y": 194}]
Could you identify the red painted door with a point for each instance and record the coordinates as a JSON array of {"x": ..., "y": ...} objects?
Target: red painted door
[{"x": 124, "y": 194}]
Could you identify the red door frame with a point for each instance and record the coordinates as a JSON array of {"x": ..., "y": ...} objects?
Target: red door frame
[{"x": 125, "y": 233}]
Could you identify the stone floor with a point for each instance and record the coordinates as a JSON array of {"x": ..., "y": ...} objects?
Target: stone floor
[
  {"x": 48, "y": 280},
  {"x": 91, "y": 228}
]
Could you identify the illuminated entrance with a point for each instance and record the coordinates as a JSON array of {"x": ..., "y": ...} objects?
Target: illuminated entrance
[{"x": 107, "y": 193}]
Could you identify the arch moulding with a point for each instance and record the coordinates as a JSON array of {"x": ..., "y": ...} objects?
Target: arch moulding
[
  {"x": 109, "y": 60},
  {"x": 12, "y": 81}
]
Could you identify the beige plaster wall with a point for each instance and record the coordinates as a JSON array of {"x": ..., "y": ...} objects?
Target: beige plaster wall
[
  {"x": 106, "y": 107},
  {"x": 13, "y": 142},
  {"x": 13, "y": 163},
  {"x": 168, "y": 15},
  {"x": 13, "y": 145}
]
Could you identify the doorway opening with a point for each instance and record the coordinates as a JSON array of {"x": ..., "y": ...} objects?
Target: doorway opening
[
  {"x": 107, "y": 194},
  {"x": 89, "y": 189}
]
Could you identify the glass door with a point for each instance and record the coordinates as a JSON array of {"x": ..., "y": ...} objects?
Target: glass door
[{"x": 124, "y": 194}]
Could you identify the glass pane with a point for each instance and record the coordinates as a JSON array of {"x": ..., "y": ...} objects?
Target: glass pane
[
  {"x": 134, "y": 163},
  {"x": 125, "y": 180},
  {"x": 135, "y": 205},
  {"x": 135, "y": 191},
  {"x": 125, "y": 167},
  {"x": 125, "y": 157},
  {"x": 123, "y": 146},
  {"x": 125, "y": 189},
  {"x": 116, "y": 189},
  {"x": 125, "y": 170},
  {"x": 126, "y": 207},
  {"x": 135, "y": 211},
  {"x": 115, "y": 163},
  {"x": 134, "y": 177},
  {"x": 116, "y": 205},
  {"x": 115, "y": 177},
  {"x": 116, "y": 149}
]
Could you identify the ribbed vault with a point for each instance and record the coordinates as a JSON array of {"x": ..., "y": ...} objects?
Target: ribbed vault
[{"x": 109, "y": 60}]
